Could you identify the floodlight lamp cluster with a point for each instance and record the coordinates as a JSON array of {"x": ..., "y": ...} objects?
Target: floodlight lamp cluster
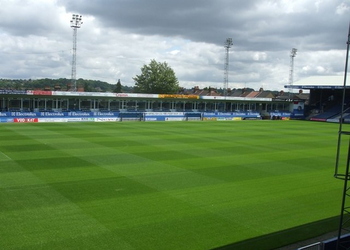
[
  {"x": 228, "y": 43},
  {"x": 76, "y": 21},
  {"x": 293, "y": 53}
]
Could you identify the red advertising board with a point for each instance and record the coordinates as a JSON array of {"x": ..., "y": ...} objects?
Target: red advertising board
[
  {"x": 25, "y": 120},
  {"x": 42, "y": 92}
]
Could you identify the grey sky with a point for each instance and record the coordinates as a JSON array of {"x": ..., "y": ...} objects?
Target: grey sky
[{"x": 118, "y": 37}]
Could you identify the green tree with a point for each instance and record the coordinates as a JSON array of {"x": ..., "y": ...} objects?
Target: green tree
[
  {"x": 156, "y": 78},
  {"x": 118, "y": 87},
  {"x": 87, "y": 87}
]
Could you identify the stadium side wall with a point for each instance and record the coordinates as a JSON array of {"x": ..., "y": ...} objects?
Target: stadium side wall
[
  {"x": 25, "y": 117},
  {"x": 60, "y": 106}
]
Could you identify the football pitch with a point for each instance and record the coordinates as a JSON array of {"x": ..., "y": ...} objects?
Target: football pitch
[{"x": 167, "y": 185}]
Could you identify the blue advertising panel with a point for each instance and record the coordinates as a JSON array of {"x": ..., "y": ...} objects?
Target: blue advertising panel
[
  {"x": 56, "y": 116},
  {"x": 231, "y": 115},
  {"x": 164, "y": 116},
  {"x": 53, "y": 114}
]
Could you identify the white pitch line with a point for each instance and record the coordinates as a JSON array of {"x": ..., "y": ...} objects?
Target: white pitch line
[{"x": 8, "y": 157}]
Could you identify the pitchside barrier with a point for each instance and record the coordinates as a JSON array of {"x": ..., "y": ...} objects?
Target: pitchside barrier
[
  {"x": 331, "y": 244},
  {"x": 109, "y": 116}
]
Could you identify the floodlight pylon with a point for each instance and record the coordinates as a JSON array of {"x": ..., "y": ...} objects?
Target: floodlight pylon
[
  {"x": 75, "y": 23},
  {"x": 293, "y": 53},
  {"x": 228, "y": 44}
]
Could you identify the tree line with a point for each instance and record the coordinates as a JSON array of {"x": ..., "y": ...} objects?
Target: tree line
[
  {"x": 62, "y": 84},
  {"x": 155, "y": 78}
]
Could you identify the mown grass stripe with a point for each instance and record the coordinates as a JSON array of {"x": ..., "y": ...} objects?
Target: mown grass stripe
[{"x": 167, "y": 185}]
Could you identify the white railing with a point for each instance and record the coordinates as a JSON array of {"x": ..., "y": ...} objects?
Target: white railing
[{"x": 315, "y": 246}]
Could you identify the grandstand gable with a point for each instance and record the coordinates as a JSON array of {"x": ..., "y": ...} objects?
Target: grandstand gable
[{"x": 319, "y": 82}]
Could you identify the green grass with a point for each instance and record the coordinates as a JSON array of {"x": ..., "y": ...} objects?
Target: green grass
[{"x": 166, "y": 185}]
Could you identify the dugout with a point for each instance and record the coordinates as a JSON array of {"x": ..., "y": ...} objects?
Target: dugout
[
  {"x": 193, "y": 116},
  {"x": 131, "y": 116}
]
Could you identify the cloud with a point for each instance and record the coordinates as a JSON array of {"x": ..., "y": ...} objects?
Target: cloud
[{"x": 118, "y": 37}]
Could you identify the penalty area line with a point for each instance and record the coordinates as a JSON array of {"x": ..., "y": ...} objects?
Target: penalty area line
[{"x": 6, "y": 156}]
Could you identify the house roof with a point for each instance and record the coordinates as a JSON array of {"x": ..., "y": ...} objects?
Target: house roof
[
  {"x": 302, "y": 96},
  {"x": 267, "y": 94},
  {"x": 236, "y": 93},
  {"x": 253, "y": 94}
]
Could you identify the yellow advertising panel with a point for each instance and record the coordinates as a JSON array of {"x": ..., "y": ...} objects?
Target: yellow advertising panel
[
  {"x": 179, "y": 96},
  {"x": 210, "y": 119}
]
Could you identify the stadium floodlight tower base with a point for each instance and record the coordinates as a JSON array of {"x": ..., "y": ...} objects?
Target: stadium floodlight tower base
[{"x": 343, "y": 156}]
